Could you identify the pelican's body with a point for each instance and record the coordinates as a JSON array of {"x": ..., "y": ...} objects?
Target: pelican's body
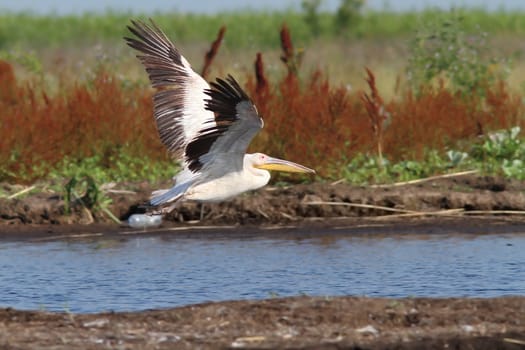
[
  {"x": 231, "y": 184},
  {"x": 207, "y": 128}
]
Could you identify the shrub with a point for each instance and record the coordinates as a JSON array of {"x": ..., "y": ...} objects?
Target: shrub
[
  {"x": 439, "y": 119},
  {"x": 348, "y": 14},
  {"x": 442, "y": 49},
  {"x": 311, "y": 15},
  {"x": 307, "y": 121},
  {"x": 100, "y": 117}
]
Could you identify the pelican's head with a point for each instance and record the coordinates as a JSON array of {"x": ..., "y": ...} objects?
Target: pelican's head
[{"x": 263, "y": 161}]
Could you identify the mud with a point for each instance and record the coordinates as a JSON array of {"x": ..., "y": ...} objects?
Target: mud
[
  {"x": 292, "y": 323},
  {"x": 446, "y": 197}
]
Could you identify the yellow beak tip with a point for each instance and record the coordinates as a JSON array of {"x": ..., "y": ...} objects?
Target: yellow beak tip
[{"x": 289, "y": 168}]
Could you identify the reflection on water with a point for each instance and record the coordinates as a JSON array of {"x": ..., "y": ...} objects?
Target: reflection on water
[{"x": 152, "y": 272}]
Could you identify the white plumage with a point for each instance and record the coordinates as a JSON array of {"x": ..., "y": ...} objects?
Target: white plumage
[{"x": 207, "y": 128}]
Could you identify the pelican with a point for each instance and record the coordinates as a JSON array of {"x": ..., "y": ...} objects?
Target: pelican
[{"x": 206, "y": 127}]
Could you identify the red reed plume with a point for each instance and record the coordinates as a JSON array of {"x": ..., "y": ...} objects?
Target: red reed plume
[
  {"x": 376, "y": 112},
  {"x": 289, "y": 56},
  {"x": 261, "y": 87},
  {"x": 212, "y": 52}
]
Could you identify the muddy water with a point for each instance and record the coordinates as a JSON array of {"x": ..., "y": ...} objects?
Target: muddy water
[{"x": 165, "y": 271}]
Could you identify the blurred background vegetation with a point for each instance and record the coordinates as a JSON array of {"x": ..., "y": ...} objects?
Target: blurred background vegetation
[{"x": 443, "y": 92}]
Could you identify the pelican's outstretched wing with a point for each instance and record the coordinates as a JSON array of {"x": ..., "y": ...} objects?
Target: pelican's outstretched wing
[
  {"x": 179, "y": 105},
  {"x": 207, "y": 128},
  {"x": 220, "y": 148}
]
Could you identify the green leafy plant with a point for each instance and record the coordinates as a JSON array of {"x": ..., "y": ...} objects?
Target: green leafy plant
[
  {"x": 456, "y": 157},
  {"x": 28, "y": 60},
  {"x": 502, "y": 151},
  {"x": 119, "y": 167},
  {"x": 363, "y": 169},
  {"x": 443, "y": 50},
  {"x": 499, "y": 145},
  {"x": 514, "y": 168},
  {"x": 85, "y": 191}
]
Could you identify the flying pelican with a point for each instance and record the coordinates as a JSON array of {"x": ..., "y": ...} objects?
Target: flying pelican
[{"x": 208, "y": 129}]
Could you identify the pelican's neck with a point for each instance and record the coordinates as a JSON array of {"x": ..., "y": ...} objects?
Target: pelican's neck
[{"x": 260, "y": 176}]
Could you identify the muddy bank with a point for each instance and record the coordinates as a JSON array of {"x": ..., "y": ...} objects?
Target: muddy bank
[
  {"x": 446, "y": 197},
  {"x": 298, "y": 323}
]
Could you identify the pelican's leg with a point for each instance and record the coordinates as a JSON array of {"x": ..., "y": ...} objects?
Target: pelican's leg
[
  {"x": 165, "y": 209},
  {"x": 168, "y": 209},
  {"x": 202, "y": 212}
]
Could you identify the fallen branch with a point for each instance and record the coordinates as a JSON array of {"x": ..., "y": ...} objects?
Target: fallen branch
[
  {"x": 437, "y": 177},
  {"x": 495, "y": 212},
  {"x": 337, "y": 182},
  {"x": 262, "y": 213},
  {"x": 19, "y": 193},
  {"x": 120, "y": 191},
  {"x": 414, "y": 213},
  {"x": 111, "y": 215},
  {"x": 447, "y": 212},
  {"x": 514, "y": 341},
  {"x": 358, "y": 205},
  {"x": 68, "y": 236}
]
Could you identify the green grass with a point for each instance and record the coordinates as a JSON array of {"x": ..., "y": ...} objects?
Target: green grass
[
  {"x": 378, "y": 40},
  {"x": 245, "y": 29}
]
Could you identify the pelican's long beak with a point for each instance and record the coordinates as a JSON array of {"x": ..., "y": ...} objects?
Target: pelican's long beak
[{"x": 283, "y": 165}]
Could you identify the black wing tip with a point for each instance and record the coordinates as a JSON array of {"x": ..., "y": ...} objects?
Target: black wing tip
[
  {"x": 152, "y": 43},
  {"x": 140, "y": 24},
  {"x": 137, "y": 28},
  {"x": 134, "y": 27},
  {"x": 229, "y": 88},
  {"x": 141, "y": 29}
]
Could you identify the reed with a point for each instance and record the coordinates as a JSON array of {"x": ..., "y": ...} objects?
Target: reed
[{"x": 246, "y": 28}]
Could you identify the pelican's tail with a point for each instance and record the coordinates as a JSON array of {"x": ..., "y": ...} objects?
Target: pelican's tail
[{"x": 175, "y": 193}]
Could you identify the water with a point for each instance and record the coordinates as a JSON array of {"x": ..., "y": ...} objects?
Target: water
[{"x": 158, "y": 271}]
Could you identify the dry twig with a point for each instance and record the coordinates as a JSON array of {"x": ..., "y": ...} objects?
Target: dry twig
[
  {"x": 358, "y": 205},
  {"x": 19, "y": 193},
  {"x": 437, "y": 177}
]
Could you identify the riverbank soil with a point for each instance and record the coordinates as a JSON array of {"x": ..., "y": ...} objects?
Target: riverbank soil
[
  {"x": 292, "y": 323},
  {"x": 470, "y": 195}
]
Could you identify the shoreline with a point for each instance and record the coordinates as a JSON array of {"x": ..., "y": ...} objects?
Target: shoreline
[
  {"x": 293, "y": 322},
  {"x": 465, "y": 196},
  {"x": 306, "y": 228}
]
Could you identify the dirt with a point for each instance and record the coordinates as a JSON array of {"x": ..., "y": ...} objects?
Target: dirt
[
  {"x": 458, "y": 196},
  {"x": 292, "y": 323},
  {"x": 466, "y": 204}
]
